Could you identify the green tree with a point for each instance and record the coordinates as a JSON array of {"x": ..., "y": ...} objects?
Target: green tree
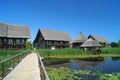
[
  {"x": 28, "y": 45},
  {"x": 119, "y": 42},
  {"x": 114, "y": 44},
  {"x": 102, "y": 44}
]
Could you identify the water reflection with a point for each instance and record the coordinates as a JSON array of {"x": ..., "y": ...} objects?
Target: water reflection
[
  {"x": 107, "y": 65},
  {"x": 91, "y": 64},
  {"x": 115, "y": 58},
  {"x": 74, "y": 65}
]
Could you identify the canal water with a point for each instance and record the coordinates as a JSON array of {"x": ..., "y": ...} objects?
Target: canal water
[{"x": 106, "y": 65}]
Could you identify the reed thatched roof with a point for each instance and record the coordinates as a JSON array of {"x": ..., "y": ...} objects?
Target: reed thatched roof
[
  {"x": 49, "y": 34},
  {"x": 3, "y": 29},
  {"x": 90, "y": 43},
  {"x": 80, "y": 38},
  {"x": 14, "y": 31},
  {"x": 97, "y": 38}
]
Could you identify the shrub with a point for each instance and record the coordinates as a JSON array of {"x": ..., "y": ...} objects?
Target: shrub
[{"x": 114, "y": 44}]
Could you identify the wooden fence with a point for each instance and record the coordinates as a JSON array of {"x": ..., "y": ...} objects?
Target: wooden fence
[
  {"x": 43, "y": 73},
  {"x": 9, "y": 64}
]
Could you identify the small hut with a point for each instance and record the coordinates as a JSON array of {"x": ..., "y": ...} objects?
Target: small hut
[
  {"x": 91, "y": 45},
  {"x": 79, "y": 40}
]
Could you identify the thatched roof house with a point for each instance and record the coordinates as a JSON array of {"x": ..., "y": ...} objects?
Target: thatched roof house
[
  {"x": 13, "y": 36},
  {"x": 79, "y": 40},
  {"x": 47, "y": 38},
  {"x": 90, "y": 43},
  {"x": 49, "y": 34},
  {"x": 99, "y": 39}
]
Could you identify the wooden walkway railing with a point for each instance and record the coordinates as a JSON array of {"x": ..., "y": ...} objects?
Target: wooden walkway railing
[
  {"x": 43, "y": 73},
  {"x": 8, "y": 65},
  {"x": 27, "y": 69}
]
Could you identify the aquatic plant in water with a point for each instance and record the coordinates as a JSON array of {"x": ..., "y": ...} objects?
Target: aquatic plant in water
[
  {"x": 113, "y": 76},
  {"x": 64, "y": 73},
  {"x": 67, "y": 74}
]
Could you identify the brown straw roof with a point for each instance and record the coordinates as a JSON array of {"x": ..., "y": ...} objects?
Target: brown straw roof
[
  {"x": 14, "y": 31},
  {"x": 49, "y": 34},
  {"x": 80, "y": 38},
  {"x": 90, "y": 43},
  {"x": 97, "y": 38}
]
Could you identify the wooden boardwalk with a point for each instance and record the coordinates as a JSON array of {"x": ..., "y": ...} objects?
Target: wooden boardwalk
[{"x": 27, "y": 69}]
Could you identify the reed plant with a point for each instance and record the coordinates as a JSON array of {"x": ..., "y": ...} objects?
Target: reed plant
[
  {"x": 110, "y": 50},
  {"x": 4, "y": 54},
  {"x": 63, "y": 51},
  {"x": 78, "y": 53}
]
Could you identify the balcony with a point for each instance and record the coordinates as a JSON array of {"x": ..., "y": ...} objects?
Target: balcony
[
  {"x": 58, "y": 44},
  {"x": 16, "y": 43}
]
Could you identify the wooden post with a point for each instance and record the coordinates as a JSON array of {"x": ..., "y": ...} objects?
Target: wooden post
[
  {"x": 13, "y": 63},
  {"x": 3, "y": 73},
  {"x": 18, "y": 59}
]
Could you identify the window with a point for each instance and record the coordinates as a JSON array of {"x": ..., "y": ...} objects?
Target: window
[
  {"x": 23, "y": 41},
  {"x": 18, "y": 41},
  {"x": 55, "y": 42},
  {"x": 0, "y": 40},
  {"x": 5, "y": 40},
  {"x": 18, "y": 47},
  {"x": 61, "y": 42},
  {"x": 40, "y": 38},
  {"x": 49, "y": 42},
  {"x": 10, "y": 40}
]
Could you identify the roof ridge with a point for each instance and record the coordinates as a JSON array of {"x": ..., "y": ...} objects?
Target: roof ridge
[
  {"x": 3, "y": 22},
  {"x": 17, "y": 25},
  {"x": 52, "y": 30},
  {"x": 80, "y": 36}
]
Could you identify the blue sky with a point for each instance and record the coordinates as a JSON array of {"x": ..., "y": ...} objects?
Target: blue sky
[{"x": 101, "y": 17}]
